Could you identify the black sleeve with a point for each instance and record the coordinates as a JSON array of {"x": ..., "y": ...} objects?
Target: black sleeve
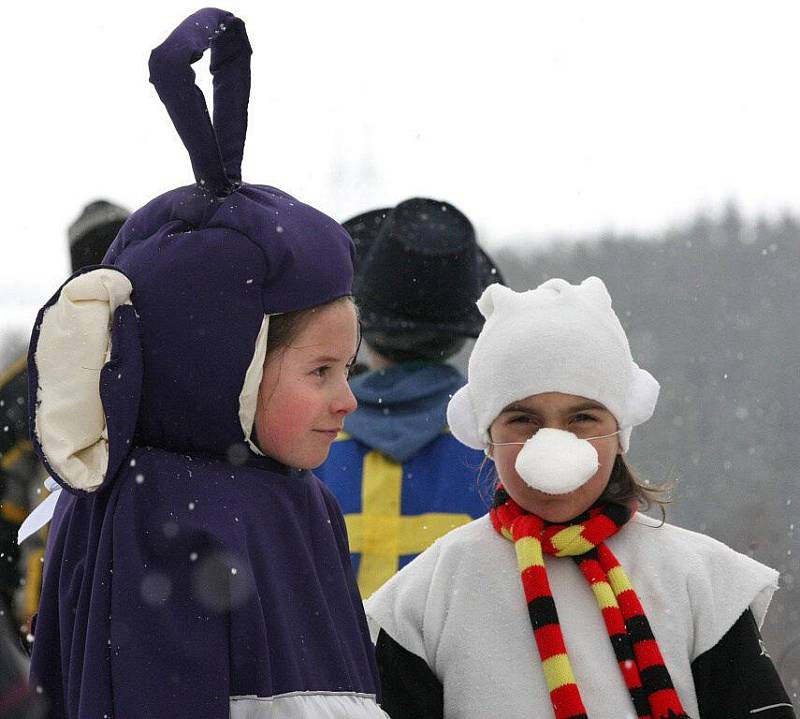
[
  {"x": 736, "y": 678},
  {"x": 409, "y": 689}
]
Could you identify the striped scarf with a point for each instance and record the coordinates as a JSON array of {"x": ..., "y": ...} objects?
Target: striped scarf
[{"x": 640, "y": 660}]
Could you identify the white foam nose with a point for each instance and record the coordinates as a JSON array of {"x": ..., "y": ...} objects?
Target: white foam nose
[{"x": 556, "y": 462}]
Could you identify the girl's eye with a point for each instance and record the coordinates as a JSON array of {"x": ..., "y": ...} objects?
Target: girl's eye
[
  {"x": 521, "y": 419},
  {"x": 583, "y": 417},
  {"x": 321, "y": 371}
]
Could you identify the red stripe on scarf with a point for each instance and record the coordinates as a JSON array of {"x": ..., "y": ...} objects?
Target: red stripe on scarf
[
  {"x": 629, "y": 604},
  {"x": 614, "y": 621},
  {"x": 600, "y": 529},
  {"x": 665, "y": 704},
  {"x": 647, "y": 654},
  {"x": 526, "y": 525},
  {"x": 550, "y": 636},
  {"x": 592, "y": 571},
  {"x": 534, "y": 581},
  {"x": 630, "y": 673},
  {"x": 567, "y": 702}
]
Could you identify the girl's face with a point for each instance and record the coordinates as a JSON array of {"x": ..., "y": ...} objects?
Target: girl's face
[
  {"x": 304, "y": 394},
  {"x": 520, "y": 421}
]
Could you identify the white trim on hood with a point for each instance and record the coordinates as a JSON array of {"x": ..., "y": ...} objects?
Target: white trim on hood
[
  {"x": 302, "y": 705},
  {"x": 248, "y": 397}
]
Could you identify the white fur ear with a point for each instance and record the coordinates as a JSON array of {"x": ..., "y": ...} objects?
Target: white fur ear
[
  {"x": 642, "y": 397},
  {"x": 73, "y": 345},
  {"x": 462, "y": 420},
  {"x": 492, "y": 298},
  {"x": 594, "y": 288}
]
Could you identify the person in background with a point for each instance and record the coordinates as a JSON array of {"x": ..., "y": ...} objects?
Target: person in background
[
  {"x": 21, "y": 473},
  {"x": 18, "y": 700},
  {"x": 401, "y": 478}
]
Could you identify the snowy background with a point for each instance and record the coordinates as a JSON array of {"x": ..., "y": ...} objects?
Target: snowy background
[{"x": 653, "y": 144}]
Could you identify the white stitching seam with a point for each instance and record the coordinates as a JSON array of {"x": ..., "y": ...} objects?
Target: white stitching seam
[
  {"x": 253, "y": 697},
  {"x": 771, "y": 706}
]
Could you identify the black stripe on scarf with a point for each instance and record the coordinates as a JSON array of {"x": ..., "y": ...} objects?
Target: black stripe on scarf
[{"x": 542, "y": 611}]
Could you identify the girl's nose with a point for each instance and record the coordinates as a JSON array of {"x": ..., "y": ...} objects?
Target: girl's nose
[{"x": 345, "y": 402}]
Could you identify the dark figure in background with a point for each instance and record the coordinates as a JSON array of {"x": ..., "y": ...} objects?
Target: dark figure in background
[
  {"x": 21, "y": 474},
  {"x": 17, "y": 699},
  {"x": 401, "y": 478}
]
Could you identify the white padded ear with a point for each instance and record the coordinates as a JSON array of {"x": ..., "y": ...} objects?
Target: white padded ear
[
  {"x": 462, "y": 420},
  {"x": 73, "y": 345},
  {"x": 492, "y": 298},
  {"x": 595, "y": 289},
  {"x": 642, "y": 397}
]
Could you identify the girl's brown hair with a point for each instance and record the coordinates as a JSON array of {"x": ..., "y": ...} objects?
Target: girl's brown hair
[
  {"x": 624, "y": 487},
  {"x": 285, "y": 327}
]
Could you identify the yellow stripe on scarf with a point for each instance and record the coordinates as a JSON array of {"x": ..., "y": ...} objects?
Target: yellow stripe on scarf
[
  {"x": 604, "y": 595},
  {"x": 569, "y": 542},
  {"x": 529, "y": 553},
  {"x": 557, "y": 671},
  {"x": 619, "y": 580}
]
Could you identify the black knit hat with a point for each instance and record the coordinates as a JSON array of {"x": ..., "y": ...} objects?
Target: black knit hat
[
  {"x": 418, "y": 267},
  {"x": 92, "y": 233}
]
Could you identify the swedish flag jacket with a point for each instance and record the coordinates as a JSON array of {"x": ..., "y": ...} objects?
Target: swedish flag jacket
[{"x": 401, "y": 478}]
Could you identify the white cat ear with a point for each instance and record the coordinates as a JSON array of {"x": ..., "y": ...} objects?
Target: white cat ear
[
  {"x": 493, "y": 297},
  {"x": 69, "y": 362},
  {"x": 642, "y": 397},
  {"x": 462, "y": 420},
  {"x": 595, "y": 289}
]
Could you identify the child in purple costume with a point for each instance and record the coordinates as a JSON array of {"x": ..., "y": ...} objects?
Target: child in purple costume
[{"x": 180, "y": 394}]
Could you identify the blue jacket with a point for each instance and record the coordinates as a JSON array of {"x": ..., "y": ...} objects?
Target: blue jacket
[{"x": 401, "y": 478}]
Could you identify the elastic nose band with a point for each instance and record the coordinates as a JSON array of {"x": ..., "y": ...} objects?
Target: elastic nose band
[
  {"x": 585, "y": 439},
  {"x": 603, "y": 436}
]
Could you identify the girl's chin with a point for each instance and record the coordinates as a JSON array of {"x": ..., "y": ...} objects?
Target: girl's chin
[{"x": 555, "y": 507}]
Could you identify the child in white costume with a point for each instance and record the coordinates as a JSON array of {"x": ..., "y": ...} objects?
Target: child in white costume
[{"x": 564, "y": 601}]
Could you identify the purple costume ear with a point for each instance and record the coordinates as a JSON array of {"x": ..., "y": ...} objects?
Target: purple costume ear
[{"x": 215, "y": 150}]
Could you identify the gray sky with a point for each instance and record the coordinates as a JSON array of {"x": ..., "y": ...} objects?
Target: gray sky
[{"x": 536, "y": 119}]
